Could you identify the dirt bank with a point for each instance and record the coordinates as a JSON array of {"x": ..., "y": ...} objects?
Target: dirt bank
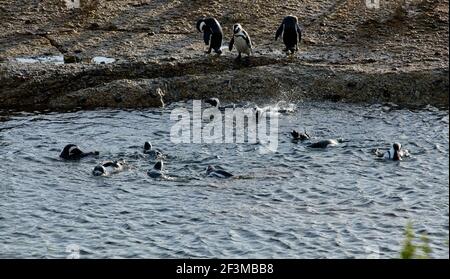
[{"x": 397, "y": 53}]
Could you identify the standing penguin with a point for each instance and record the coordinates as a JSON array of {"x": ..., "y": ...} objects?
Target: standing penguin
[
  {"x": 291, "y": 33},
  {"x": 212, "y": 33},
  {"x": 242, "y": 41}
]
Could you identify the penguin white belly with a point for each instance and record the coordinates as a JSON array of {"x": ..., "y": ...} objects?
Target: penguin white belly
[{"x": 241, "y": 45}]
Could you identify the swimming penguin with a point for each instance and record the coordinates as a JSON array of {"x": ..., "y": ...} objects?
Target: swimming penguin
[
  {"x": 217, "y": 172},
  {"x": 156, "y": 172},
  {"x": 291, "y": 33},
  {"x": 212, "y": 33},
  {"x": 109, "y": 167},
  {"x": 242, "y": 41},
  {"x": 73, "y": 152},
  {"x": 395, "y": 153},
  {"x": 213, "y": 102},
  {"x": 148, "y": 149},
  {"x": 300, "y": 136},
  {"x": 324, "y": 143}
]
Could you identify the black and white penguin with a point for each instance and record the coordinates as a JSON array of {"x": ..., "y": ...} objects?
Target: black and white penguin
[
  {"x": 148, "y": 149},
  {"x": 213, "y": 102},
  {"x": 157, "y": 171},
  {"x": 73, "y": 152},
  {"x": 212, "y": 33},
  {"x": 241, "y": 40},
  {"x": 296, "y": 135},
  {"x": 395, "y": 153},
  {"x": 217, "y": 172},
  {"x": 324, "y": 143},
  {"x": 292, "y": 34},
  {"x": 109, "y": 167},
  {"x": 259, "y": 112}
]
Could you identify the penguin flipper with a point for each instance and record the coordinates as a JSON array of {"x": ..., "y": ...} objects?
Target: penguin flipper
[
  {"x": 247, "y": 39},
  {"x": 299, "y": 32},
  {"x": 230, "y": 46},
  {"x": 279, "y": 31},
  {"x": 206, "y": 36}
]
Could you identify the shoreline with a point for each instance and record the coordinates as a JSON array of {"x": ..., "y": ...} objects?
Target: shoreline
[{"x": 154, "y": 84}]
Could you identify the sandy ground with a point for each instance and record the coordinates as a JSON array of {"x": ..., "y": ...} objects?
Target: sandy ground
[{"x": 340, "y": 37}]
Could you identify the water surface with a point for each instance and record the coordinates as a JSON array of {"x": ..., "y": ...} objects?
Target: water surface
[{"x": 295, "y": 203}]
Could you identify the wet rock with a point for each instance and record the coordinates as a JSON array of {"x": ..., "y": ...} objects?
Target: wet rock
[{"x": 68, "y": 59}]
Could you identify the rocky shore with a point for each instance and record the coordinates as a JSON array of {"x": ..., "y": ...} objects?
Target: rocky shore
[{"x": 397, "y": 53}]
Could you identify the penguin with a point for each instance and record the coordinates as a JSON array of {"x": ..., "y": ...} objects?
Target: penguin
[
  {"x": 73, "y": 152},
  {"x": 212, "y": 33},
  {"x": 148, "y": 149},
  {"x": 109, "y": 167},
  {"x": 292, "y": 33},
  {"x": 259, "y": 112},
  {"x": 157, "y": 171},
  {"x": 213, "y": 102},
  {"x": 217, "y": 172},
  {"x": 299, "y": 135},
  {"x": 395, "y": 153},
  {"x": 324, "y": 143},
  {"x": 242, "y": 41}
]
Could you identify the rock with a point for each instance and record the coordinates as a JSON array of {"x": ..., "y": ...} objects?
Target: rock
[
  {"x": 94, "y": 26},
  {"x": 71, "y": 59}
]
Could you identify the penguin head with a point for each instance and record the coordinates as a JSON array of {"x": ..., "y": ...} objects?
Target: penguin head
[
  {"x": 209, "y": 169},
  {"x": 213, "y": 102},
  {"x": 119, "y": 163},
  {"x": 397, "y": 146},
  {"x": 237, "y": 28},
  {"x": 158, "y": 166},
  {"x": 99, "y": 170},
  {"x": 70, "y": 151},
  {"x": 304, "y": 136},
  {"x": 147, "y": 146},
  {"x": 295, "y": 134},
  {"x": 201, "y": 24},
  {"x": 291, "y": 18}
]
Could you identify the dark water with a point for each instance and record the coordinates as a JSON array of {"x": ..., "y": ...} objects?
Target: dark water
[{"x": 295, "y": 203}]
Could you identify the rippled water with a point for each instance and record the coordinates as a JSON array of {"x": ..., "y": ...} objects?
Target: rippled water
[{"x": 295, "y": 203}]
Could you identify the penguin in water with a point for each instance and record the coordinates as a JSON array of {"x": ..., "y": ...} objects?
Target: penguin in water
[
  {"x": 324, "y": 143},
  {"x": 148, "y": 149},
  {"x": 213, "y": 102},
  {"x": 73, "y": 152},
  {"x": 157, "y": 171},
  {"x": 217, "y": 172},
  {"x": 296, "y": 135},
  {"x": 259, "y": 113},
  {"x": 395, "y": 153},
  {"x": 212, "y": 33},
  {"x": 241, "y": 40},
  {"x": 109, "y": 167},
  {"x": 291, "y": 32}
]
